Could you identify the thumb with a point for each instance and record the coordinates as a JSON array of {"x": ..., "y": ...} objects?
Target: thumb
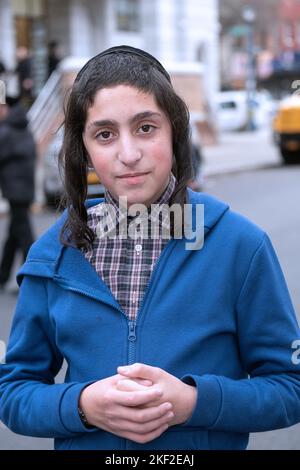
[
  {"x": 128, "y": 385},
  {"x": 145, "y": 382},
  {"x": 141, "y": 371}
]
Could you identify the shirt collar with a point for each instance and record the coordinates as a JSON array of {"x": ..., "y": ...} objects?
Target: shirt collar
[{"x": 154, "y": 212}]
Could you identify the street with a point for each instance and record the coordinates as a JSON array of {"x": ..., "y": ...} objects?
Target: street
[{"x": 270, "y": 197}]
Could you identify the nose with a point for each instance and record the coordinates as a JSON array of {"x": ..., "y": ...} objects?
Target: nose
[{"x": 129, "y": 152}]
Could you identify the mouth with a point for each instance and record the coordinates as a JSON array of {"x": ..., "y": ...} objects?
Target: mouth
[
  {"x": 134, "y": 179},
  {"x": 133, "y": 175}
]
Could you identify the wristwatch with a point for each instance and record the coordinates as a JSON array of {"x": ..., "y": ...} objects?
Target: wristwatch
[{"x": 83, "y": 419}]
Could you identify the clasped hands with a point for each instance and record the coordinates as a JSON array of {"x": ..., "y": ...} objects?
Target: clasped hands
[{"x": 139, "y": 403}]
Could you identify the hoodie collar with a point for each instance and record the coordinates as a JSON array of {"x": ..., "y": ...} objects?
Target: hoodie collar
[{"x": 48, "y": 258}]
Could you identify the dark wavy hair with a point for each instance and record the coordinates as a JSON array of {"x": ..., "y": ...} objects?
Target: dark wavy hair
[{"x": 107, "y": 71}]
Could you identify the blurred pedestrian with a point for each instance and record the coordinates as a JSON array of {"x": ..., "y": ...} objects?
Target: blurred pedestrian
[
  {"x": 17, "y": 162},
  {"x": 2, "y": 84},
  {"x": 206, "y": 335},
  {"x": 25, "y": 78},
  {"x": 196, "y": 157},
  {"x": 2, "y": 69},
  {"x": 54, "y": 56},
  {"x": 10, "y": 81}
]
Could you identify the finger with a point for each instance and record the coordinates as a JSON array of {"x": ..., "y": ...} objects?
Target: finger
[
  {"x": 128, "y": 385},
  {"x": 142, "y": 371},
  {"x": 137, "y": 397},
  {"x": 144, "y": 428},
  {"x": 146, "y": 383},
  {"x": 144, "y": 438},
  {"x": 145, "y": 415},
  {"x": 120, "y": 416}
]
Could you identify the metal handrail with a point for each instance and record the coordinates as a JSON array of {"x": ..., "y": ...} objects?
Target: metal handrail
[
  {"x": 46, "y": 106},
  {"x": 43, "y": 96}
]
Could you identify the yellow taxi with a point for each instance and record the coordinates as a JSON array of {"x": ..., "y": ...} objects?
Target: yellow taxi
[
  {"x": 286, "y": 127},
  {"x": 95, "y": 188}
]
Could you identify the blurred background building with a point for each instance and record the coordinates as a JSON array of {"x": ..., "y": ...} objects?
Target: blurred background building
[
  {"x": 174, "y": 31},
  {"x": 207, "y": 46},
  {"x": 276, "y": 44}
]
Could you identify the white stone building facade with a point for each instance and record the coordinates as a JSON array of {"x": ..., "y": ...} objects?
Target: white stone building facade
[{"x": 172, "y": 30}]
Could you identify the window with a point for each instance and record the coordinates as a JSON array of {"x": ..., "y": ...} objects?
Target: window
[
  {"x": 128, "y": 15},
  {"x": 228, "y": 105}
]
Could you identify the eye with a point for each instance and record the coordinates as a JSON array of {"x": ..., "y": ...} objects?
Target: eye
[
  {"x": 104, "y": 135},
  {"x": 146, "y": 128}
]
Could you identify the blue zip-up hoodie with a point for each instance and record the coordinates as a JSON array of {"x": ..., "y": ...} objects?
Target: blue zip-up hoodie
[{"x": 219, "y": 318}]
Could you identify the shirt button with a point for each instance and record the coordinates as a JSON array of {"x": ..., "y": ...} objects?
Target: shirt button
[{"x": 138, "y": 248}]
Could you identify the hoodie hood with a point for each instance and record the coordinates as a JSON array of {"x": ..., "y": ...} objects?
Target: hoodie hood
[
  {"x": 49, "y": 258},
  {"x": 16, "y": 117}
]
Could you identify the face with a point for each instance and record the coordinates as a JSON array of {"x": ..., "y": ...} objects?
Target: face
[{"x": 128, "y": 139}]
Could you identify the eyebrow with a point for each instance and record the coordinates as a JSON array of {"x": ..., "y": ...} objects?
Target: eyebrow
[{"x": 135, "y": 118}]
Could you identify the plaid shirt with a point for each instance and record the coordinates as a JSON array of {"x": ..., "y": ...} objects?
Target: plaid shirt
[{"x": 125, "y": 263}]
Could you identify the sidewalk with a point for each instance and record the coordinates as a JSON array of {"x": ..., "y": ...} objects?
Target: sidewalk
[{"x": 240, "y": 152}]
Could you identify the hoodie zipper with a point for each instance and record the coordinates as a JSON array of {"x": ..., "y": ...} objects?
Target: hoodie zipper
[
  {"x": 132, "y": 335},
  {"x": 132, "y": 341},
  {"x": 131, "y": 324}
]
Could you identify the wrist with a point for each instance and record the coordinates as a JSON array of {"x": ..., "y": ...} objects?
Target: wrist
[
  {"x": 81, "y": 411},
  {"x": 84, "y": 419},
  {"x": 190, "y": 402}
]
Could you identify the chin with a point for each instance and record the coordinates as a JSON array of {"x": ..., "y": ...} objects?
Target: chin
[
  {"x": 143, "y": 201},
  {"x": 132, "y": 197}
]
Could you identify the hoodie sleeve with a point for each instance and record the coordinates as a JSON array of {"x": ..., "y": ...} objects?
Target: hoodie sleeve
[
  {"x": 269, "y": 343},
  {"x": 30, "y": 402}
]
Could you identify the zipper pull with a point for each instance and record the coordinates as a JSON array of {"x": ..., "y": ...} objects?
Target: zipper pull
[{"x": 132, "y": 335}]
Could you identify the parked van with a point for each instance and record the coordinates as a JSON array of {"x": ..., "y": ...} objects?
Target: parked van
[{"x": 232, "y": 110}]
